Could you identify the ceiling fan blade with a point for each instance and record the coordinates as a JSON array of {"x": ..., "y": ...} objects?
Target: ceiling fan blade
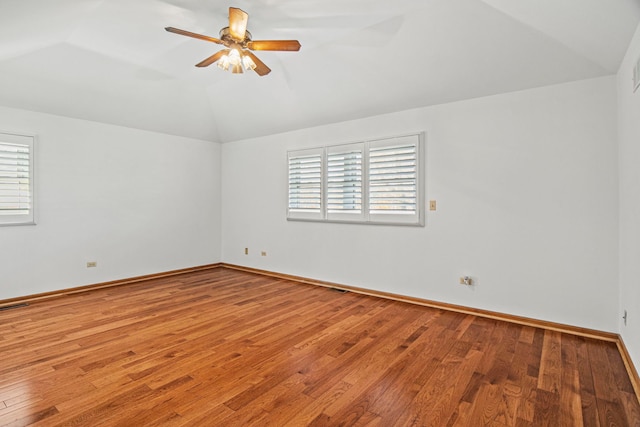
[
  {"x": 290, "y": 45},
  {"x": 213, "y": 58},
  {"x": 261, "y": 67},
  {"x": 194, "y": 35},
  {"x": 238, "y": 19}
]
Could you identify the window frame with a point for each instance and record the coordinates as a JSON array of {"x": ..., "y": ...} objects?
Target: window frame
[
  {"x": 27, "y": 140},
  {"x": 364, "y": 216}
]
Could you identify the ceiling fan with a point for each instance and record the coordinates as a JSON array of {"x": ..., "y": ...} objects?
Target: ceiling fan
[{"x": 239, "y": 45}]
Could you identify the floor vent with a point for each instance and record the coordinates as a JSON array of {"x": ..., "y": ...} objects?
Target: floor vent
[
  {"x": 11, "y": 307},
  {"x": 342, "y": 291}
]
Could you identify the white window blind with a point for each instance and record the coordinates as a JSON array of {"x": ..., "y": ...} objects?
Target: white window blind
[
  {"x": 344, "y": 182},
  {"x": 305, "y": 184},
  {"x": 376, "y": 181},
  {"x": 16, "y": 179}
]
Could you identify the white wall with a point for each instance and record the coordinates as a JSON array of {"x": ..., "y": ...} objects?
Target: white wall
[
  {"x": 629, "y": 142},
  {"x": 526, "y": 185},
  {"x": 136, "y": 202}
]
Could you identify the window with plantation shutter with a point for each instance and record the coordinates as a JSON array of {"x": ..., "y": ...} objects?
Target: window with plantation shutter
[
  {"x": 393, "y": 180},
  {"x": 344, "y": 182},
  {"x": 372, "y": 182},
  {"x": 16, "y": 179},
  {"x": 305, "y": 184}
]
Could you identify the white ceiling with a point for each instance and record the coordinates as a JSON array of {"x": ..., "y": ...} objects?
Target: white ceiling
[{"x": 111, "y": 60}]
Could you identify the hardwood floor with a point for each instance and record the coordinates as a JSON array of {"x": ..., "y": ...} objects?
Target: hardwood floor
[{"x": 229, "y": 348}]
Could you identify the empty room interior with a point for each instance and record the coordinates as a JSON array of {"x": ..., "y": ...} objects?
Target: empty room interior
[{"x": 292, "y": 213}]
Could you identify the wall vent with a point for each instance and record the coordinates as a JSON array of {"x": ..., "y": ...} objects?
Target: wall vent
[{"x": 11, "y": 307}]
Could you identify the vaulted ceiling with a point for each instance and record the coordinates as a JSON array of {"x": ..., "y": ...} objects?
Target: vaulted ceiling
[{"x": 111, "y": 60}]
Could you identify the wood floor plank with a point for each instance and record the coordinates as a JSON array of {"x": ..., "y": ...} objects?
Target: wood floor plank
[
  {"x": 224, "y": 347},
  {"x": 570, "y": 390},
  {"x": 550, "y": 375},
  {"x": 519, "y": 384}
]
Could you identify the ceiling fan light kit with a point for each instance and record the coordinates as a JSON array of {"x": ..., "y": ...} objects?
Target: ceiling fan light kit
[
  {"x": 237, "y": 40},
  {"x": 232, "y": 61}
]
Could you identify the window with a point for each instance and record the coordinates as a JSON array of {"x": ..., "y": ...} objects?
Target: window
[
  {"x": 370, "y": 182},
  {"x": 305, "y": 184},
  {"x": 344, "y": 182},
  {"x": 393, "y": 181},
  {"x": 16, "y": 179}
]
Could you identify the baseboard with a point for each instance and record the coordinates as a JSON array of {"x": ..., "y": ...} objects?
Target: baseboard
[
  {"x": 87, "y": 288},
  {"x": 631, "y": 369}
]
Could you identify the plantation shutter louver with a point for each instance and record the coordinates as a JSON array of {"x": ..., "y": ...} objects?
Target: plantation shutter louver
[
  {"x": 16, "y": 179},
  {"x": 305, "y": 184},
  {"x": 344, "y": 182}
]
